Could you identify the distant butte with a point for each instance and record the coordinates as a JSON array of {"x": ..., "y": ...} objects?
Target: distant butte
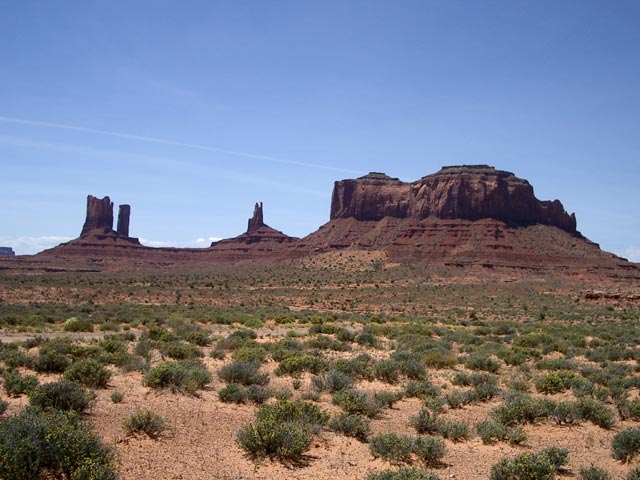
[{"x": 465, "y": 216}]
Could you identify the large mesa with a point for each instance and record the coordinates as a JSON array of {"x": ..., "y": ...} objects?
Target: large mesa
[{"x": 466, "y": 192}]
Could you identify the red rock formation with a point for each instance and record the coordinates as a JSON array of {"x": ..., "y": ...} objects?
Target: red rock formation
[
  {"x": 461, "y": 192},
  {"x": 124, "y": 213},
  {"x": 257, "y": 220},
  {"x": 99, "y": 215}
]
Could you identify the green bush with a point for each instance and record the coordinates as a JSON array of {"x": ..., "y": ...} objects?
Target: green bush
[
  {"x": 117, "y": 396},
  {"x": 282, "y": 431},
  {"x": 356, "y": 426},
  {"x": 403, "y": 473},
  {"x": 455, "y": 430},
  {"x": 332, "y": 381},
  {"x": 147, "y": 422},
  {"x": 530, "y": 466},
  {"x": 296, "y": 364},
  {"x": 429, "y": 450},
  {"x": 424, "y": 421},
  {"x": 482, "y": 362},
  {"x": 250, "y": 353},
  {"x": 633, "y": 474},
  {"x": 358, "y": 367},
  {"x": 78, "y": 325},
  {"x": 519, "y": 408},
  {"x": 357, "y": 403},
  {"x": 232, "y": 393},
  {"x": 16, "y": 384},
  {"x": 392, "y": 447},
  {"x": 626, "y": 444},
  {"x": 35, "y": 442},
  {"x": 439, "y": 359},
  {"x": 554, "y": 382},
  {"x": 594, "y": 473},
  {"x": 387, "y": 371},
  {"x": 3, "y": 406},
  {"x": 595, "y": 412},
  {"x": 89, "y": 373},
  {"x": 258, "y": 394},
  {"x": 421, "y": 389},
  {"x": 61, "y": 395},
  {"x": 180, "y": 350},
  {"x": 387, "y": 399},
  {"x": 186, "y": 376},
  {"x": 50, "y": 362},
  {"x": 245, "y": 373}
]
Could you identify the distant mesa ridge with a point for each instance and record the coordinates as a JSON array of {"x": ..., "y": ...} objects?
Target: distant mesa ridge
[
  {"x": 462, "y": 215},
  {"x": 466, "y": 192},
  {"x": 7, "y": 252}
]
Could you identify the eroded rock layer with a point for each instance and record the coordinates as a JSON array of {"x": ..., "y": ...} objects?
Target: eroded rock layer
[{"x": 467, "y": 192}]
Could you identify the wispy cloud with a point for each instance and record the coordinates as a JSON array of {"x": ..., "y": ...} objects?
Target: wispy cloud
[
  {"x": 32, "y": 245},
  {"x": 161, "y": 141},
  {"x": 197, "y": 243}
]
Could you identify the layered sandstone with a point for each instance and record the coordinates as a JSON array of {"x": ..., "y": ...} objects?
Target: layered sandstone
[
  {"x": 124, "y": 214},
  {"x": 99, "y": 215},
  {"x": 467, "y": 192}
]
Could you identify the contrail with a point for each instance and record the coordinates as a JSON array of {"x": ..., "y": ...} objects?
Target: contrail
[{"x": 194, "y": 146}]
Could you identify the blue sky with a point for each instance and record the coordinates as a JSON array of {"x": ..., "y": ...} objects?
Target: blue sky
[{"x": 192, "y": 111}]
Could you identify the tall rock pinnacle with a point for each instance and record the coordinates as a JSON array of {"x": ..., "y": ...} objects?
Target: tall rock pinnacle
[
  {"x": 257, "y": 220},
  {"x": 124, "y": 213},
  {"x": 99, "y": 214}
]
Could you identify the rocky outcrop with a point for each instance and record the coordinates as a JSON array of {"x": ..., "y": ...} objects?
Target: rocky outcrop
[
  {"x": 467, "y": 192},
  {"x": 7, "y": 252},
  {"x": 99, "y": 215},
  {"x": 257, "y": 220},
  {"x": 124, "y": 213}
]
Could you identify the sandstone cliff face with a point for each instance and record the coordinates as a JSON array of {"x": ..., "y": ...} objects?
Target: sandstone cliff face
[
  {"x": 99, "y": 214},
  {"x": 467, "y": 192},
  {"x": 124, "y": 214}
]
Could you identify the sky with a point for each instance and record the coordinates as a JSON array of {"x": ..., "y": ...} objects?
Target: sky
[{"x": 193, "y": 111}]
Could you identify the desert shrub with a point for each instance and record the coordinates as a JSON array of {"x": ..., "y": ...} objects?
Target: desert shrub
[
  {"x": 429, "y": 450},
  {"x": 357, "y": 367},
  {"x": 566, "y": 413},
  {"x": 595, "y": 412},
  {"x": 232, "y": 393},
  {"x": 345, "y": 335},
  {"x": 387, "y": 399},
  {"x": 12, "y": 356},
  {"x": 78, "y": 325},
  {"x": 16, "y": 384},
  {"x": 50, "y": 362},
  {"x": 459, "y": 398},
  {"x": 217, "y": 354},
  {"x": 410, "y": 364},
  {"x": 455, "y": 430},
  {"x": 424, "y": 422},
  {"x": 519, "y": 408},
  {"x": 332, "y": 381},
  {"x": 250, "y": 353},
  {"x": 284, "y": 348},
  {"x": 147, "y": 422},
  {"x": 556, "y": 364},
  {"x": 357, "y": 403},
  {"x": 282, "y": 431},
  {"x": 61, "y": 395},
  {"x": 367, "y": 339},
  {"x": 554, "y": 382},
  {"x": 117, "y": 396},
  {"x": 490, "y": 431},
  {"x": 296, "y": 364},
  {"x": 633, "y": 474},
  {"x": 323, "y": 342},
  {"x": 485, "y": 391},
  {"x": 3, "y": 406},
  {"x": 179, "y": 350},
  {"x": 594, "y": 473},
  {"x": 483, "y": 362},
  {"x": 403, "y": 473},
  {"x": 258, "y": 394},
  {"x": 626, "y": 444},
  {"x": 245, "y": 373},
  {"x": 392, "y": 447},
  {"x": 350, "y": 425},
  {"x": 421, "y": 389},
  {"x": 474, "y": 379},
  {"x": 236, "y": 339},
  {"x": 530, "y": 466},
  {"x": 387, "y": 371},
  {"x": 439, "y": 359},
  {"x": 513, "y": 356},
  {"x": 89, "y": 373},
  {"x": 36, "y": 441},
  {"x": 187, "y": 377}
]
